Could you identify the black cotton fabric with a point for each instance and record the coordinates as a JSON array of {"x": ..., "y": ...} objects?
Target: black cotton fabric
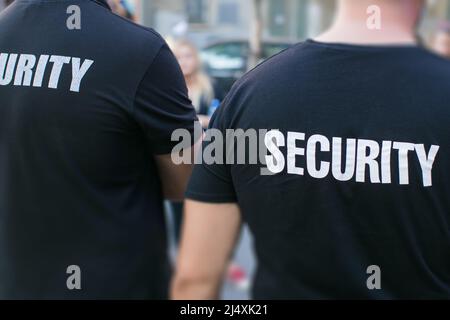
[
  {"x": 369, "y": 182},
  {"x": 83, "y": 113}
]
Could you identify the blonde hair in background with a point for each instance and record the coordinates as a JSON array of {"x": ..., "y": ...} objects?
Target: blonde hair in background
[{"x": 200, "y": 86}]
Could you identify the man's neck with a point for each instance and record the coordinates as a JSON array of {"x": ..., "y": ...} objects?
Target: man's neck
[
  {"x": 397, "y": 25},
  {"x": 352, "y": 35}
]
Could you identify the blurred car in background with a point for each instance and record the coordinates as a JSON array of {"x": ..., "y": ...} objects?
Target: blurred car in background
[{"x": 226, "y": 61}]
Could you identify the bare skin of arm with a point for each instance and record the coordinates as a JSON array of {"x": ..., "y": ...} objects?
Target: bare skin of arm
[
  {"x": 174, "y": 178},
  {"x": 209, "y": 236}
]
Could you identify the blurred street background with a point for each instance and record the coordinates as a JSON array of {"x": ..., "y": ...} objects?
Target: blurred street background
[{"x": 234, "y": 35}]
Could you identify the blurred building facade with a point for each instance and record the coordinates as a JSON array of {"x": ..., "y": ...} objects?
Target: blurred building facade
[
  {"x": 438, "y": 10},
  {"x": 287, "y": 20},
  {"x": 209, "y": 20}
]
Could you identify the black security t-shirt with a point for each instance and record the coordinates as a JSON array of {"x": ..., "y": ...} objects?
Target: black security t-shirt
[
  {"x": 352, "y": 196},
  {"x": 83, "y": 112}
]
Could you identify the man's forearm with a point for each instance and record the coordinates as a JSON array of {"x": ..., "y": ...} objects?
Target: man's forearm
[{"x": 185, "y": 287}]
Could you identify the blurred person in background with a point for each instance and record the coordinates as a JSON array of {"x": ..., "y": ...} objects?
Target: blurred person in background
[
  {"x": 442, "y": 40},
  {"x": 355, "y": 202},
  {"x": 202, "y": 94},
  {"x": 202, "y": 91}
]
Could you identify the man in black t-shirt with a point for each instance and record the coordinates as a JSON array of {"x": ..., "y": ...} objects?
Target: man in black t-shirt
[
  {"x": 352, "y": 199},
  {"x": 89, "y": 102}
]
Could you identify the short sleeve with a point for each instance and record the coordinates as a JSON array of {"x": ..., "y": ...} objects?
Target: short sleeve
[
  {"x": 213, "y": 183},
  {"x": 162, "y": 103}
]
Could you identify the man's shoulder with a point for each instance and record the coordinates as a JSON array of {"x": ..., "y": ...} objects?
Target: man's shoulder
[
  {"x": 256, "y": 91},
  {"x": 110, "y": 29},
  {"x": 129, "y": 31},
  {"x": 138, "y": 31},
  {"x": 271, "y": 71},
  {"x": 435, "y": 65},
  {"x": 272, "y": 65}
]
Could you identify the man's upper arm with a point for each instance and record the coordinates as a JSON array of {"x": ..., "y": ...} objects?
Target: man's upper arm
[
  {"x": 162, "y": 106},
  {"x": 162, "y": 103},
  {"x": 209, "y": 236},
  {"x": 213, "y": 182}
]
